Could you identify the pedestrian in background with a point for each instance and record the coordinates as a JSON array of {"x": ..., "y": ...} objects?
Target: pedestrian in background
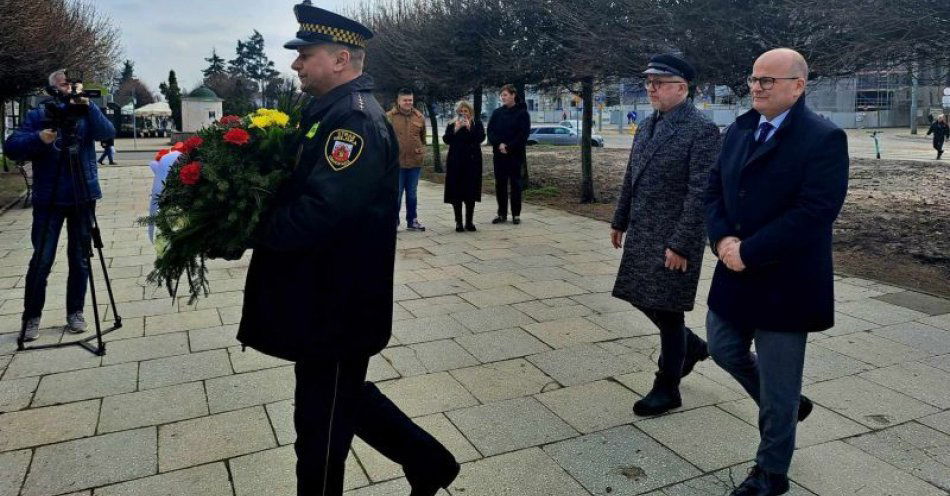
[
  {"x": 410, "y": 127},
  {"x": 463, "y": 174},
  {"x": 108, "y": 150},
  {"x": 508, "y": 131},
  {"x": 661, "y": 212},
  {"x": 941, "y": 132}
]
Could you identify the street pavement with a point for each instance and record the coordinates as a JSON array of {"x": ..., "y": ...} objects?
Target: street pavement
[{"x": 507, "y": 346}]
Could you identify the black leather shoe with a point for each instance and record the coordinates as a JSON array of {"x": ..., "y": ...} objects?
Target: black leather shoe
[
  {"x": 499, "y": 220},
  {"x": 470, "y": 227},
  {"x": 515, "y": 220},
  {"x": 664, "y": 397},
  {"x": 762, "y": 483},
  {"x": 429, "y": 487},
  {"x": 459, "y": 228},
  {"x": 805, "y": 406}
]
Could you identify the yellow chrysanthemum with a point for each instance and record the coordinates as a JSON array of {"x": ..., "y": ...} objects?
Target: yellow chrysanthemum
[
  {"x": 261, "y": 121},
  {"x": 281, "y": 119}
]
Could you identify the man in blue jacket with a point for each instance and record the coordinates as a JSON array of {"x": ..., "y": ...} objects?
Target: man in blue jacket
[
  {"x": 773, "y": 196},
  {"x": 56, "y": 192}
]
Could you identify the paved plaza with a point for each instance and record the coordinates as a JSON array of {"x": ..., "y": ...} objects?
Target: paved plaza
[{"x": 507, "y": 346}]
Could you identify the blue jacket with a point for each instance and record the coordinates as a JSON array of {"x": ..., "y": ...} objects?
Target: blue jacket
[
  {"x": 781, "y": 200},
  {"x": 25, "y": 144}
]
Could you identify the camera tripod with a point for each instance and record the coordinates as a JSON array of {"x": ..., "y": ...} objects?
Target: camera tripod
[{"x": 83, "y": 206}]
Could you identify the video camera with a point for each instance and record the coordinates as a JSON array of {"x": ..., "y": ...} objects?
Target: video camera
[{"x": 66, "y": 108}]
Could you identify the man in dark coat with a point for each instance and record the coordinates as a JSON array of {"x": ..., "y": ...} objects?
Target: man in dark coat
[
  {"x": 941, "y": 132},
  {"x": 508, "y": 131},
  {"x": 319, "y": 286},
  {"x": 661, "y": 208},
  {"x": 773, "y": 196}
]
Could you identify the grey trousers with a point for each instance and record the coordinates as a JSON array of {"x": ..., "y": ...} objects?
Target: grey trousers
[{"x": 773, "y": 378}]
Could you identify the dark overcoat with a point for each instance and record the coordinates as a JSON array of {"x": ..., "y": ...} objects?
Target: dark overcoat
[
  {"x": 463, "y": 166},
  {"x": 781, "y": 199},
  {"x": 661, "y": 206},
  {"x": 941, "y": 132},
  {"x": 320, "y": 281}
]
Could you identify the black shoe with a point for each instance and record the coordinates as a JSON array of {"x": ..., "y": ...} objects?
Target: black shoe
[
  {"x": 693, "y": 357},
  {"x": 459, "y": 227},
  {"x": 515, "y": 220},
  {"x": 470, "y": 227},
  {"x": 805, "y": 406},
  {"x": 111, "y": 163},
  {"x": 664, "y": 397},
  {"x": 429, "y": 487},
  {"x": 762, "y": 483},
  {"x": 499, "y": 219}
]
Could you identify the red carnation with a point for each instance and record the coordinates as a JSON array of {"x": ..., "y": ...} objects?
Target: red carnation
[
  {"x": 237, "y": 136},
  {"x": 190, "y": 173},
  {"x": 177, "y": 147},
  {"x": 162, "y": 153},
  {"x": 192, "y": 144},
  {"x": 230, "y": 120}
]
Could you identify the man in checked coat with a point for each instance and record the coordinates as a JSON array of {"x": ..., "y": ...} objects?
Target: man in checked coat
[{"x": 661, "y": 212}]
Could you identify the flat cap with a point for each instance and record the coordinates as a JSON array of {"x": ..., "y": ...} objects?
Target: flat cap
[
  {"x": 322, "y": 26},
  {"x": 668, "y": 64}
]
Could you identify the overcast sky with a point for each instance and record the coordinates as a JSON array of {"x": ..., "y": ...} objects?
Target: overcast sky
[{"x": 179, "y": 34}]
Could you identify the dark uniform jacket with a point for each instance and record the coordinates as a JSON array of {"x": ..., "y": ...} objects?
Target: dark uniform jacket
[
  {"x": 463, "y": 166},
  {"x": 661, "y": 206},
  {"x": 781, "y": 199},
  {"x": 320, "y": 281}
]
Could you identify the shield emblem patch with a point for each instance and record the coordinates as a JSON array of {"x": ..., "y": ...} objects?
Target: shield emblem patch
[{"x": 343, "y": 149}]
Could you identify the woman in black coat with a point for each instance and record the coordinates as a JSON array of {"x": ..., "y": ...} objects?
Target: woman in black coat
[
  {"x": 941, "y": 131},
  {"x": 463, "y": 177}
]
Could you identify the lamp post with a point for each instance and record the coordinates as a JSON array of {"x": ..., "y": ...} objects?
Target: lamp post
[{"x": 135, "y": 143}]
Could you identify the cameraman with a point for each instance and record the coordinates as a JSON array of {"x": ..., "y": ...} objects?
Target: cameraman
[{"x": 39, "y": 143}]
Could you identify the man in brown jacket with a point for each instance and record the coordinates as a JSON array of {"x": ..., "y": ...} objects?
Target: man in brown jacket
[{"x": 410, "y": 128}]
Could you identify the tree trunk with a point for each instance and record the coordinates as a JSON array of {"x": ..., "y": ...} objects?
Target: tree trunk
[
  {"x": 525, "y": 175},
  {"x": 3, "y": 130},
  {"x": 477, "y": 102},
  {"x": 587, "y": 171},
  {"x": 436, "y": 156}
]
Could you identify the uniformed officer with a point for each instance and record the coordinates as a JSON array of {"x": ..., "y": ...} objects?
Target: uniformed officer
[{"x": 319, "y": 286}]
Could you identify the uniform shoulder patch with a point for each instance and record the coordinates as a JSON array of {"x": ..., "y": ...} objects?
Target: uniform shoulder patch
[{"x": 343, "y": 149}]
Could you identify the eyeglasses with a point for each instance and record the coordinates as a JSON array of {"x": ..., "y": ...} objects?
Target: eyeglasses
[
  {"x": 765, "y": 82},
  {"x": 654, "y": 84}
]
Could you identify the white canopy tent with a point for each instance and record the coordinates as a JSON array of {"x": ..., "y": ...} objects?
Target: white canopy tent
[{"x": 157, "y": 109}]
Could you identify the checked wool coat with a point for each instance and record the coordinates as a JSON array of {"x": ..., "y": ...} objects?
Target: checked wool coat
[{"x": 661, "y": 206}]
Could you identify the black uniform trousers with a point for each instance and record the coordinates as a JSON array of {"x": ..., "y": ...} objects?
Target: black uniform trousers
[
  {"x": 508, "y": 172},
  {"x": 333, "y": 402}
]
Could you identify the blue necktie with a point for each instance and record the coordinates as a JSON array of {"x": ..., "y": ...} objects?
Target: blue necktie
[{"x": 764, "y": 129}]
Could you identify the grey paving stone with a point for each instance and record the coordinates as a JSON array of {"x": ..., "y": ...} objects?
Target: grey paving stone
[
  {"x": 85, "y": 384},
  {"x": 249, "y": 360},
  {"x": 180, "y": 369},
  {"x": 550, "y": 289},
  {"x": 427, "y": 394},
  {"x": 510, "y": 425},
  {"x": 529, "y": 472},
  {"x": 380, "y": 370},
  {"x": 428, "y": 329},
  {"x": 213, "y": 337},
  {"x": 427, "y": 289},
  {"x": 688, "y": 434},
  {"x": 281, "y": 416},
  {"x": 231, "y": 315},
  {"x": 620, "y": 461},
  {"x": 44, "y": 362},
  {"x": 872, "y": 349},
  {"x": 436, "y": 306},
  {"x": 718, "y": 483},
  {"x": 153, "y": 407},
  {"x": 438, "y": 356},
  {"x": 569, "y": 332},
  {"x": 879, "y": 312},
  {"x": 505, "y": 344},
  {"x": 696, "y": 390},
  {"x": 16, "y": 394},
  {"x": 206, "y": 480},
  {"x": 146, "y": 308},
  {"x": 4, "y": 361},
  {"x": 504, "y": 380},
  {"x": 941, "y": 321},
  {"x": 924, "y": 303},
  {"x": 504, "y": 295},
  {"x": 625, "y": 324},
  {"x": 916, "y": 380},
  {"x": 592, "y": 407},
  {"x": 200, "y": 319},
  {"x": 208, "y": 439},
  {"x": 405, "y": 361},
  {"x": 540, "y": 274},
  {"x": 939, "y": 421},
  {"x": 389, "y": 488},
  {"x": 916, "y": 449},
  {"x": 492, "y": 318},
  {"x": 853, "y": 472},
  {"x": 846, "y": 324},
  {"x": 137, "y": 349},
  {"x": 602, "y": 302},
  {"x": 253, "y": 388},
  {"x": 928, "y": 339},
  {"x": 584, "y": 363},
  {"x": 822, "y": 425},
  {"x": 13, "y": 466},
  {"x": 273, "y": 472},
  {"x": 849, "y": 292},
  {"x": 866, "y": 402},
  {"x": 39, "y": 426},
  {"x": 542, "y": 311},
  {"x": 823, "y": 364},
  {"x": 91, "y": 462}
]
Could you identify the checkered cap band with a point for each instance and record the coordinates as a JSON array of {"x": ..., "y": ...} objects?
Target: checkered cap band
[{"x": 338, "y": 35}]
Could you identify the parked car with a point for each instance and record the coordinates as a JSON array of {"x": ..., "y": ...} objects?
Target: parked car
[{"x": 560, "y": 135}]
